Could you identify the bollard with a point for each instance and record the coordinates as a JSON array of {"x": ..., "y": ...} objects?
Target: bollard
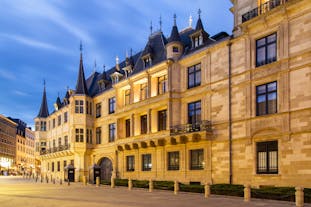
[
  {"x": 60, "y": 181},
  {"x": 130, "y": 184},
  {"x": 68, "y": 183},
  {"x": 150, "y": 185},
  {"x": 97, "y": 182},
  {"x": 207, "y": 190},
  {"x": 247, "y": 193},
  {"x": 112, "y": 182},
  {"x": 84, "y": 180},
  {"x": 299, "y": 197},
  {"x": 176, "y": 187}
]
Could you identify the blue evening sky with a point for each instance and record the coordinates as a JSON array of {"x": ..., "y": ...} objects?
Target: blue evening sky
[{"x": 39, "y": 39}]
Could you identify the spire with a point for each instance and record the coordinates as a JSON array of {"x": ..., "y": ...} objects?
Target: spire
[
  {"x": 151, "y": 28},
  {"x": 44, "y": 111},
  {"x": 174, "y": 34},
  {"x": 160, "y": 23},
  {"x": 199, "y": 25},
  {"x": 190, "y": 21},
  {"x": 81, "y": 84}
]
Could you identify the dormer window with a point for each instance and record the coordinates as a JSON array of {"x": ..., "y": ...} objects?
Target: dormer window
[
  {"x": 115, "y": 79},
  {"x": 175, "y": 49},
  {"x": 197, "y": 41},
  {"x": 101, "y": 85},
  {"x": 147, "y": 62}
]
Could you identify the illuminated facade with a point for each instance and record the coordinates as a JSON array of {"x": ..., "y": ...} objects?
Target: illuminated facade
[{"x": 195, "y": 107}]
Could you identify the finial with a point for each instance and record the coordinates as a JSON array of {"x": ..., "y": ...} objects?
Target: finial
[
  {"x": 190, "y": 21},
  {"x": 199, "y": 13},
  {"x": 174, "y": 19},
  {"x": 104, "y": 66},
  {"x": 160, "y": 22},
  {"x": 44, "y": 83},
  {"x": 81, "y": 46},
  {"x": 117, "y": 60},
  {"x": 151, "y": 27}
]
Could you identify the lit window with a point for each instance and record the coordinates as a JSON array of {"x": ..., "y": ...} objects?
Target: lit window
[
  {"x": 130, "y": 163},
  {"x": 146, "y": 162},
  {"x": 173, "y": 160}
]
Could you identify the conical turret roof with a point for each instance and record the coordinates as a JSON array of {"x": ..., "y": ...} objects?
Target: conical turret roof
[{"x": 44, "y": 111}]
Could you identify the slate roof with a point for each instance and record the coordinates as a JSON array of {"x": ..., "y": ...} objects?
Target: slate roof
[{"x": 155, "y": 47}]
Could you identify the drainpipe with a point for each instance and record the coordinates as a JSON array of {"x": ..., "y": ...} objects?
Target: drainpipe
[{"x": 230, "y": 112}]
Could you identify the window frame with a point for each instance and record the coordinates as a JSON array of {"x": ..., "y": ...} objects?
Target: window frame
[
  {"x": 98, "y": 135},
  {"x": 112, "y": 105},
  {"x": 267, "y": 147},
  {"x": 143, "y": 124},
  {"x": 130, "y": 163},
  {"x": 162, "y": 120},
  {"x": 266, "y": 49},
  {"x": 127, "y": 127},
  {"x": 266, "y": 95},
  {"x": 127, "y": 97},
  {"x": 98, "y": 110},
  {"x": 192, "y": 72},
  {"x": 196, "y": 165},
  {"x": 197, "y": 117},
  {"x": 112, "y": 132},
  {"x": 162, "y": 84},
  {"x": 172, "y": 156},
  {"x": 146, "y": 162}
]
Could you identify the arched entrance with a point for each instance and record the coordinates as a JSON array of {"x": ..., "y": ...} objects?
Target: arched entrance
[{"x": 105, "y": 168}]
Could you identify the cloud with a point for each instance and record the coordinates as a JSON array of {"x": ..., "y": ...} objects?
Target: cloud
[
  {"x": 7, "y": 74},
  {"x": 20, "y": 93},
  {"x": 33, "y": 43}
]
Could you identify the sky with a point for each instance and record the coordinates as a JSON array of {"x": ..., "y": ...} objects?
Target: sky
[{"x": 40, "y": 40}]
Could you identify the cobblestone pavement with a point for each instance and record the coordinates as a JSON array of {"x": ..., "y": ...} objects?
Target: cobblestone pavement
[{"x": 16, "y": 191}]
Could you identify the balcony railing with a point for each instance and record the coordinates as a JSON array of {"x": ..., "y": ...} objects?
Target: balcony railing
[
  {"x": 55, "y": 149},
  {"x": 188, "y": 128},
  {"x": 263, "y": 8}
]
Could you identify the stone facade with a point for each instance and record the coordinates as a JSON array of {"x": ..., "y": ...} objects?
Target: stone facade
[{"x": 235, "y": 139}]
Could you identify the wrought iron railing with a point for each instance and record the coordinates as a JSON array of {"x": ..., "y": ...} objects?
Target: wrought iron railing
[
  {"x": 193, "y": 127},
  {"x": 263, "y": 8},
  {"x": 55, "y": 149}
]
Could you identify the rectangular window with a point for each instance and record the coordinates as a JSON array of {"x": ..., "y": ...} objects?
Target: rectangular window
[
  {"x": 196, "y": 159},
  {"x": 175, "y": 49},
  {"x": 59, "y": 141},
  {"x": 266, "y": 50},
  {"x": 194, "y": 115},
  {"x": 162, "y": 84},
  {"x": 143, "y": 124},
  {"x": 58, "y": 166},
  {"x": 112, "y": 132},
  {"x": 65, "y": 117},
  {"x": 52, "y": 166},
  {"x": 194, "y": 75},
  {"x": 146, "y": 162},
  {"x": 72, "y": 162},
  {"x": 53, "y": 123},
  {"x": 66, "y": 140},
  {"x": 65, "y": 163},
  {"x": 267, "y": 157},
  {"x": 79, "y": 135},
  {"x": 266, "y": 99},
  {"x": 130, "y": 163},
  {"x": 162, "y": 120},
  {"x": 88, "y": 135},
  {"x": 98, "y": 135},
  {"x": 91, "y": 108},
  {"x": 173, "y": 160},
  {"x": 59, "y": 122},
  {"x": 112, "y": 105},
  {"x": 143, "y": 91},
  {"x": 98, "y": 110},
  {"x": 127, "y": 95},
  {"x": 127, "y": 128},
  {"x": 79, "y": 106}
]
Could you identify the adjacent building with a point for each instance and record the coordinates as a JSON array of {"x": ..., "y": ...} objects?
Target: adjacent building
[
  {"x": 193, "y": 106},
  {"x": 7, "y": 145}
]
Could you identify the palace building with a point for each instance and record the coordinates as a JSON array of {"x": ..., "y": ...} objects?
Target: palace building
[{"x": 194, "y": 107}]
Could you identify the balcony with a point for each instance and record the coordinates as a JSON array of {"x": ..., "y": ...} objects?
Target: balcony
[
  {"x": 55, "y": 149},
  {"x": 263, "y": 8},
  {"x": 189, "y": 128}
]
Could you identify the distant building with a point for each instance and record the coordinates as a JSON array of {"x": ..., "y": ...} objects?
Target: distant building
[
  {"x": 195, "y": 107},
  {"x": 7, "y": 145},
  {"x": 25, "y": 148}
]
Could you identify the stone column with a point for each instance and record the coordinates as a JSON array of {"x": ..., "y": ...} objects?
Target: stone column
[
  {"x": 207, "y": 190},
  {"x": 176, "y": 187},
  {"x": 130, "y": 184},
  {"x": 247, "y": 193},
  {"x": 150, "y": 185},
  {"x": 299, "y": 197}
]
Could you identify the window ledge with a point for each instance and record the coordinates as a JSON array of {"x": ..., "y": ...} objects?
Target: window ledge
[{"x": 267, "y": 175}]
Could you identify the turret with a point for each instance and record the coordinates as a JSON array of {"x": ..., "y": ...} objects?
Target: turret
[
  {"x": 174, "y": 47},
  {"x": 81, "y": 88}
]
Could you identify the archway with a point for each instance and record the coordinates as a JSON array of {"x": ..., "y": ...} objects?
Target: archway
[{"x": 105, "y": 168}]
